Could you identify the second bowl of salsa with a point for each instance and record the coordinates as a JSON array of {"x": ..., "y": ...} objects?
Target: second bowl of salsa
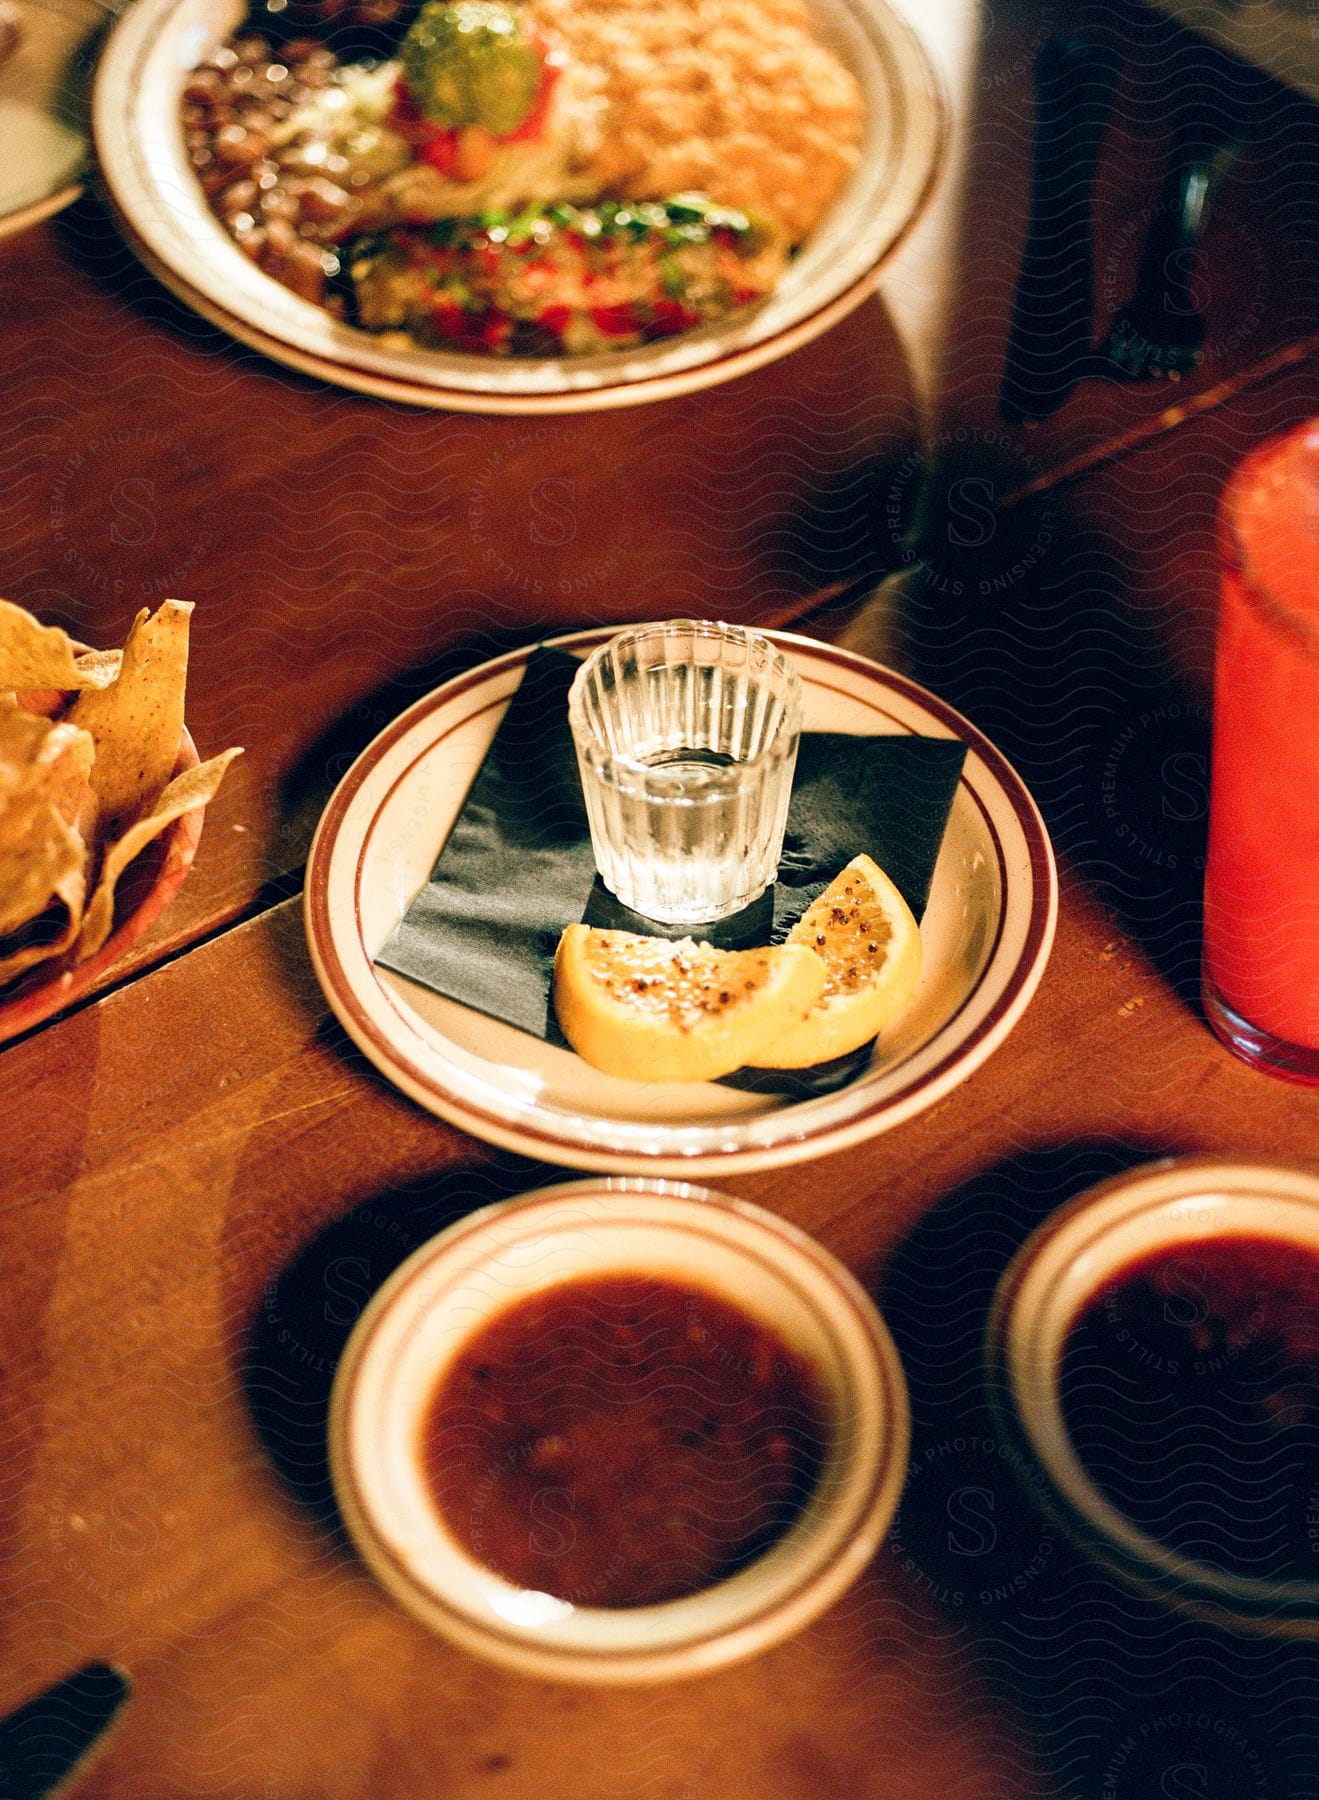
[{"x": 1156, "y": 1347}]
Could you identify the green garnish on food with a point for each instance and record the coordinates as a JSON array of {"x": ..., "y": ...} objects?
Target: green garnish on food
[
  {"x": 543, "y": 280},
  {"x": 471, "y": 62}
]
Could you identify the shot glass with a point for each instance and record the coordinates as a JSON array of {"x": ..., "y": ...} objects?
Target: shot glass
[
  {"x": 1260, "y": 977},
  {"x": 686, "y": 736}
]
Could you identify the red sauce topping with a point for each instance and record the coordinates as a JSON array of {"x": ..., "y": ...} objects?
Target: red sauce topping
[
  {"x": 622, "y": 1440},
  {"x": 1190, "y": 1390}
]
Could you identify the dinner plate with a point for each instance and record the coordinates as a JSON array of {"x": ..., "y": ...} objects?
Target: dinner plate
[
  {"x": 44, "y": 73},
  {"x": 145, "y": 889},
  {"x": 987, "y": 931},
  {"x": 144, "y": 166}
]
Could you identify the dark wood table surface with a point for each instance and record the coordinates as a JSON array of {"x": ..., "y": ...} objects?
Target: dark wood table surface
[{"x": 201, "y": 1180}]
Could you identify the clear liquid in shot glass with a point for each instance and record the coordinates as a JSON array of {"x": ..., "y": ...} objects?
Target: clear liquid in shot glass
[{"x": 686, "y": 738}]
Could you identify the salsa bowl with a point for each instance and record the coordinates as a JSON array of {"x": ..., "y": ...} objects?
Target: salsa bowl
[
  {"x": 429, "y": 1310},
  {"x": 1130, "y": 1343}
]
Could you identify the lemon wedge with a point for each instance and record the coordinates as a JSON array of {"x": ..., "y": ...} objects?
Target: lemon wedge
[
  {"x": 655, "y": 1010},
  {"x": 870, "y": 943}
]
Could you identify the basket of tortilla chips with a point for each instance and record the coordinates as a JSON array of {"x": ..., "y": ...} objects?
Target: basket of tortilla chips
[{"x": 96, "y": 770}]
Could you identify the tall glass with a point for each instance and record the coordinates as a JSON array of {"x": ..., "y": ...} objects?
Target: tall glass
[
  {"x": 1260, "y": 978},
  {"x": 686, "y": 736}
]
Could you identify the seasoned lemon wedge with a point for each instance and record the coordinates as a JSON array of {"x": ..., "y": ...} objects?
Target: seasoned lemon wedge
[
  {"x": 870, "y": 943},
  {"x": 654, "y": 1010}
]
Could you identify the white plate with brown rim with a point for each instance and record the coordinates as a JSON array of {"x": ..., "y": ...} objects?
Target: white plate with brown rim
[
  {"x": 163, "y": 211},
  {"x": 987, "y": 930},
  {"x": 47, "y": 49}
]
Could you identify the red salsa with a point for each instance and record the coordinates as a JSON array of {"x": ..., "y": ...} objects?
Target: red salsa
[
  {"x": 1190, "y": 1390},
  {"x": 622, "y": 1440}
]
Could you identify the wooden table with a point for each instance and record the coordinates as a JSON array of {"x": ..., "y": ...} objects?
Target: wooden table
[{"x": 201, "y": 1180}]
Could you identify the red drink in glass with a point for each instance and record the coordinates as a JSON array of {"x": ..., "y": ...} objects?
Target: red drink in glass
[{"x": 1261, "y": 942}]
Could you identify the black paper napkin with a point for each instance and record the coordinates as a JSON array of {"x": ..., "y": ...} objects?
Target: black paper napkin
[{"x": 518, "y": 867}]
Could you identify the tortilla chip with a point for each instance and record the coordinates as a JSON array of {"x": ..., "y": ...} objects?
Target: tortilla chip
[
  {"x": 98, "y": 668},
  {"x": 137, "y": 721},
  {"x": 38, "y": 756},
  {"x": 102, "y": 665},
  {"x": 22, "y": 734},
  {"x": 33, "y": 655},
  {"x": 70, "y": 892},
  {"x": 40, "y": 851},
  {"x": 194, "y": 788},
  {"x": 43, "y": 857},
  {"x": 66, "y": 762}
]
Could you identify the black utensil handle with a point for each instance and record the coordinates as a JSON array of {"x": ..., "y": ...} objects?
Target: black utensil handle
[
  {"x": 1050, "y": 342},
  {"x": 44, "y": 1741},
  {"x": 1197, "y": 173}
]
